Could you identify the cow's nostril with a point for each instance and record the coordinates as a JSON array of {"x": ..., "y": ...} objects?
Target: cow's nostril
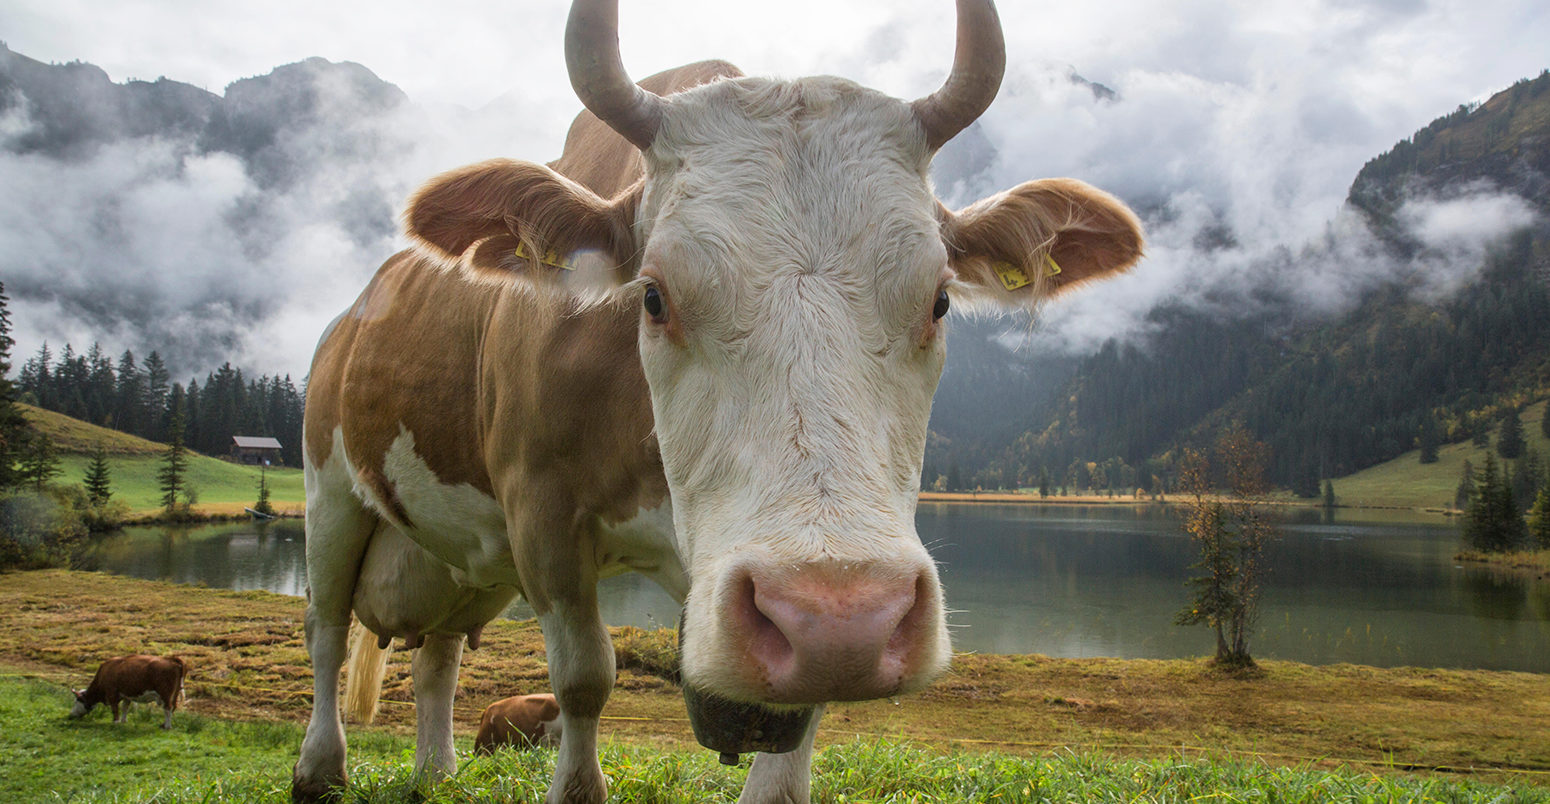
[{"x": 767, "y": 643}]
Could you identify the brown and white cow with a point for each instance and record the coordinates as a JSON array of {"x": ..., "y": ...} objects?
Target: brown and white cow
[
  {"x": 520, "y": 721},
  {"x": 702, "y": 346},
  {"x": 139, "y": 679}
]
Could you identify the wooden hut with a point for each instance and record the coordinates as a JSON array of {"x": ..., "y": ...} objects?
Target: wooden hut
[{"x": 255, "y": 451}]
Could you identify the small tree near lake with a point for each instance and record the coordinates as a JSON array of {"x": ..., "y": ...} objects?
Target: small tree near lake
[
  {"x": 98, "y": 480},
  {"x": 174, "y": 464},
  {"x": 1492, "y": 523},
  {"x": 1231, "y": 531}
]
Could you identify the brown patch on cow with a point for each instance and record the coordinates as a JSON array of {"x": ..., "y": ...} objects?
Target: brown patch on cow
[
  {"x": 604, "y": 162},
  {"x": 386, "y": 495}
]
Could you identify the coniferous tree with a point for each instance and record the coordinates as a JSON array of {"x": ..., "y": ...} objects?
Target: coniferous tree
[
  {"x": 1526, "y": 477},
  {"x": 1329, "y": 493},
  {"x": 98, "y": 481},
  {"x": 1509, "y": 442},
  {"x": 1539, "y": 520},
  {"x": 174, "y": 464},
  {"x": 14, "y": 429},
  {"x": 1465, "y": 494},
  {"x": 1492, "y": 523},
  {"x": 40, "y": 463},
  {"x": 156, "y": 389}
]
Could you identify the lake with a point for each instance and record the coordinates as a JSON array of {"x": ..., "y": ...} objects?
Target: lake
[{"x": 1365, "y": 587}]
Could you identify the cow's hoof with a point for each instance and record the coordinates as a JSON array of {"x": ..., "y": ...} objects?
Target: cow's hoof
[
  {"x": 580, "y": 788},
  {"x": 313, "y": 791}
]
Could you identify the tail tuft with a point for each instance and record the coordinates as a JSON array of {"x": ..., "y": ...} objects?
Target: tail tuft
[{"x": 367, "y": 665}]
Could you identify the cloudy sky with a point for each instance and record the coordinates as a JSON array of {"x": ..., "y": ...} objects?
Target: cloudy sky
[{"x": 1249, "y": 116}]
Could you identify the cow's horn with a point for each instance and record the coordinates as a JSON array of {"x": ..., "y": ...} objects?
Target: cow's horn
[
  {"x": 597, "y": 73},
  {"x": 978, "y": 64}
]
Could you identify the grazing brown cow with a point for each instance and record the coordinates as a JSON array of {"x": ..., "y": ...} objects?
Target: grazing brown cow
[
  {"x": 138, "y": 678},
  {"x": 701, "y": 346},
  {"x": 521, "y": 721}
]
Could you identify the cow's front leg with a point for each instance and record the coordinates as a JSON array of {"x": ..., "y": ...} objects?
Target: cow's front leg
[
  {"x": 581, "y": 670},
  {"x": 783, "y": 778},
  {"x": 434, "y": 671}
]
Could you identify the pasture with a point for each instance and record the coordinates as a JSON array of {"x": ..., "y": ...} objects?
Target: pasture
[
  {"x": 997, "y": 728},
  {"x": 223, "y": 488}
]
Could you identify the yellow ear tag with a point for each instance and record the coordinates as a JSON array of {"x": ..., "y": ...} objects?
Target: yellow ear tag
[
  {"x": 1013, "y": 277},
  {"x": 550, "y": 258}
]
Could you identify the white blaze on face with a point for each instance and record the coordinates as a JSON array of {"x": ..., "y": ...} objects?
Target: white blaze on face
[
  {"x": 79, "y": 710},
  {"x": 792, "y": 239}
]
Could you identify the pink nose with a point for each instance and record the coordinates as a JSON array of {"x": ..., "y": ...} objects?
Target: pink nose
[{"x": 823, "y": 633}]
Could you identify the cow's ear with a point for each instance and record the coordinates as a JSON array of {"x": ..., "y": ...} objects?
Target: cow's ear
[
  {"x": 1040, "y": 239},
  {"x": 511, "y": 220}
]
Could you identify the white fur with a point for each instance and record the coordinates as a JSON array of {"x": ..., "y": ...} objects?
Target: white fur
[{"x": 802, "y": 255}]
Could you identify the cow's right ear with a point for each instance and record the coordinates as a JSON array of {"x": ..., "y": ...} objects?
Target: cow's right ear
[{"x": 512, "y": 220}]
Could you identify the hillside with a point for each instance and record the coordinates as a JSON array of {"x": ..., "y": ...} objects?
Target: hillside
[
  {"x": 222, "y": 487},
  {"x": 1335, "y": 396},
  {"x": 75, "y": 437},
  {"x": 1405, "y": 482}
]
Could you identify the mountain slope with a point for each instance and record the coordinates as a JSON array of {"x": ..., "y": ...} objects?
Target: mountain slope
[{"x": 1334, "y": 396}]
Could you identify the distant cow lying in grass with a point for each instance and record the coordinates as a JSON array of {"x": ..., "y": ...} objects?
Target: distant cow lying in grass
[
  {"x": 521, "y": 721},
  {"x": 134, "y": 678}
]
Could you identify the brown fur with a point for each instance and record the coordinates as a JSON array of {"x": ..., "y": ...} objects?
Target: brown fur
[
  {"x": 133, "y": 676},
  {"x": 517, "y": 721}
]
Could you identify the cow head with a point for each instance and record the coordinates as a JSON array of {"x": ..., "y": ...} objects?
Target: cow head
[
  {"x": 81, "y": 707},
  {"x": 792, "y": 268}
]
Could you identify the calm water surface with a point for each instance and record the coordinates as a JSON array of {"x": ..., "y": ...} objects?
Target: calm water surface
[{"x": 1366, "y": 587}]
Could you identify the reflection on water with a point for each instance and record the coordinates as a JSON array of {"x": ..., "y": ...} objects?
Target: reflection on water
[
  {"x": 234, "y": 555},
  {"x": 1376, "y": 588}
]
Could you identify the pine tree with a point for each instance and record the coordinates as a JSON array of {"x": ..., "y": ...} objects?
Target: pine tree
[
  {"x": 98, "y": 482},
  {"x": 1465, "y": 494},
  {"x": 1329, "y": 493},
  {"x": 14, "y": 428},
  {"x": 1509, "y": 442},
  {"x": 1492, "y": 523},
  {"x": 40, "y": 463},
  {"x": 174, "y": 464},
  {"x": 263, "y": 506},
  {"x": 1539, "y": 520}
]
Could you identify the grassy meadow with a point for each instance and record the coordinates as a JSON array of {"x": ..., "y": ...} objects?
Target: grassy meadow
[
  {"x": 223, "y": 488},
  {"x": 996, "y": 728},
  {"x": 45, "y": 757},
  {"x": 1405, "y": 482}
]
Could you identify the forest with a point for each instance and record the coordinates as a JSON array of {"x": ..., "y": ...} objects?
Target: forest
[{"x": 136, "y": 397}]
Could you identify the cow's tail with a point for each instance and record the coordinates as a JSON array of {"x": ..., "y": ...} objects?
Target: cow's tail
[
  {"x": 367, "y": 665},
  {"x": 177, "y": 692}
]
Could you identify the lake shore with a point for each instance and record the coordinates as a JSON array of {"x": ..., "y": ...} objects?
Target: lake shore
[{"x": 248, "y": 662}]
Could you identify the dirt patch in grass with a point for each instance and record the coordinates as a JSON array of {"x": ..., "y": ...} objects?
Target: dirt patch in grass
[{"x": 248, "y": 661}]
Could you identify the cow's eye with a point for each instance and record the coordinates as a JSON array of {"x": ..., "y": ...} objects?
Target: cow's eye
[
  {"x": 942, "y": 304},
  {"x": 653, "y": 304}
]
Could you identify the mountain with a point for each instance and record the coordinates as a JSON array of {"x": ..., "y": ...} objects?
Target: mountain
[
  {"x": 208, "y": 208},
  {"x": 1331, "y": 396}
]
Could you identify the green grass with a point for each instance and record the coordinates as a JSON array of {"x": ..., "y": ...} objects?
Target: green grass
[
  {"x": 46, "y": 757},
  {"x": 1405, "y": 482},
  {"x": 221, "y": 485}
]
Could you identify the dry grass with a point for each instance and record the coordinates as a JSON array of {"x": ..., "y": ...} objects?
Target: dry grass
[{"x": 247, "y": 659}]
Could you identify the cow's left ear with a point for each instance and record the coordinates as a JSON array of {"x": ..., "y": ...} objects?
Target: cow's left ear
[
  {"x": 520, "y": 221},
  {"x": 1040, "y": 239}
]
